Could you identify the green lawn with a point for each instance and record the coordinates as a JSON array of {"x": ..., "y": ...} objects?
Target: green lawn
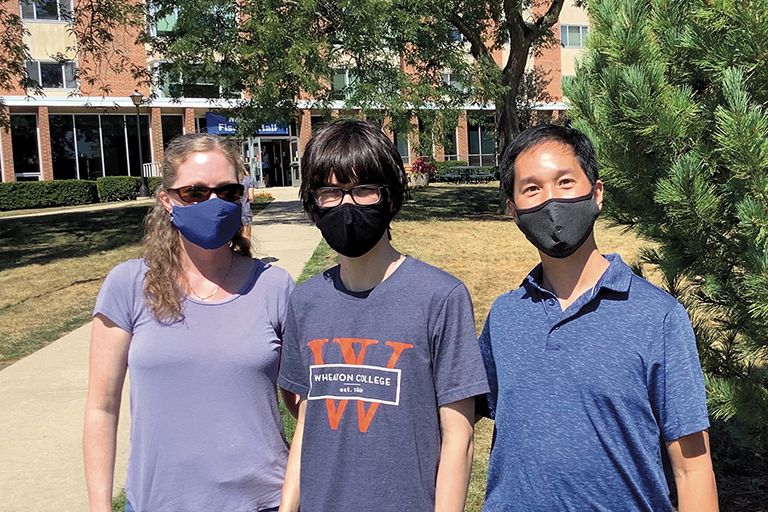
[{"x": 51, "y": 268}]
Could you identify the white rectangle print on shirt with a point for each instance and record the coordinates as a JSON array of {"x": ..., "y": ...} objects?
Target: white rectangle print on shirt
[{"x": 356, "y": 382}]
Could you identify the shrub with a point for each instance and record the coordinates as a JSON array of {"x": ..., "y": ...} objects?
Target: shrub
[
  {"x": 154, "y": 184},
  {"x": 263, "y": 198},
  {"x": 41, "y": 194},
  {"x": 423, "y": 166},
  {"x": 448, "y": 164},
  {"x": 118, "y": 188}
]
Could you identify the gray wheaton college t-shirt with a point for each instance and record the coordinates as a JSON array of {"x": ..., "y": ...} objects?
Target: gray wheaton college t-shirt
[{"x": 375, "y": 370}]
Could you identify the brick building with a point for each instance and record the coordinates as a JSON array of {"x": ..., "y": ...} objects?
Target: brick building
[{"x": 59, "y": 135}]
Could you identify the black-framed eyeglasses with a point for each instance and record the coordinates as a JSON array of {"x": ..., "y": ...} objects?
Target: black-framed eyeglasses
[
  {"x": 362, "y": 195},
  {"x": 232, "y": 192}
]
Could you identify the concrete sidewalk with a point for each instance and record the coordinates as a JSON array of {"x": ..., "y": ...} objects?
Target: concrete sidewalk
[{"x": 42, "y": 396}]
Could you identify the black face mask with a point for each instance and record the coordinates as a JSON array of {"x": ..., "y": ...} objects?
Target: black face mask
[
  {"x": 353, "y": 230},
  {"x": 558, "y": 227}
]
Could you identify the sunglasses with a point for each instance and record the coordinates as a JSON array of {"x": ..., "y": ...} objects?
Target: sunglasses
[{"x": 232, "y": 192}]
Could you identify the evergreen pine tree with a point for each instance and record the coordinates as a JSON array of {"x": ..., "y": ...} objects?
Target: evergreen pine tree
[{"x": 673, "y": 94}]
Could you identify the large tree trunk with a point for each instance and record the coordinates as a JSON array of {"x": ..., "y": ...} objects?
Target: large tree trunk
[{"x": 507, "y": 118}]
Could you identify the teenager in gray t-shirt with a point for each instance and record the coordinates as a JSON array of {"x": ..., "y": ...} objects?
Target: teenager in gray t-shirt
[{"x": 382, "y": 348}]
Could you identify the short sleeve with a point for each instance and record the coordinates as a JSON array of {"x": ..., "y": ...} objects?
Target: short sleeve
[
  {"x": 282, "y": 306},
  {"x": 293, "y": 373},
  {"x": 458, "y": 367},
  {"x": 116, "y": 299},
  {"x": 486, "y": 404},
  {"x": 676, "y": 383}
]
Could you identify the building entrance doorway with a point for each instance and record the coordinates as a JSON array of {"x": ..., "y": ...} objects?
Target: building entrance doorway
[{"x": 273, "y": 162}]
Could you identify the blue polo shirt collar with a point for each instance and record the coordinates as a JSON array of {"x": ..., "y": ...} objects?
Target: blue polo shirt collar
[{"x": 617, "y": 277}]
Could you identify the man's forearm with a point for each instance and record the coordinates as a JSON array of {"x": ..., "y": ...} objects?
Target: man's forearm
[{"x": 696, "y": 491}]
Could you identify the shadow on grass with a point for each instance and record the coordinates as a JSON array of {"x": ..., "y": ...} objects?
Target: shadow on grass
[
  {"x": 453, "y": 202},
  {"x": 39, "y": 240}
]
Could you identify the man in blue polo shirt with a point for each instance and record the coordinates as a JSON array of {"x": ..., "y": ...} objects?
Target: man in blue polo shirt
[{"x": 594, "y": 374}]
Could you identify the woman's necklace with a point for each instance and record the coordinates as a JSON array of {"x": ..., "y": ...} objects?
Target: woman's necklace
[{"x": 215, "y": 290}]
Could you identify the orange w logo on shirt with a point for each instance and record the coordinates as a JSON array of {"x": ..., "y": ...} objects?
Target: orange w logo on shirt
[{"x": 336, "y": 408}]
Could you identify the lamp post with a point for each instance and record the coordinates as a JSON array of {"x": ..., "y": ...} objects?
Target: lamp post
[{"x": 137, "y": 98}]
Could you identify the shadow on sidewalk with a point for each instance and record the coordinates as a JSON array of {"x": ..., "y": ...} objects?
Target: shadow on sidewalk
[{"x": 283, "y": 212}]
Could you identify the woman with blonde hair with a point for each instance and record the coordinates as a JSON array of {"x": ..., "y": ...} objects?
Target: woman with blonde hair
[{"x": 200, "y": 324}]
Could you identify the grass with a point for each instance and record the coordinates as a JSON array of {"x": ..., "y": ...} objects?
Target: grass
[
  {"x": 51, "y": 268},
  {"x": 457, "y": 229}
]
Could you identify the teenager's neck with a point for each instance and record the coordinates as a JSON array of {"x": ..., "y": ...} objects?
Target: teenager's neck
[
  {"x": 367, "y": 271},
  {"x": 568, "y": 278}
]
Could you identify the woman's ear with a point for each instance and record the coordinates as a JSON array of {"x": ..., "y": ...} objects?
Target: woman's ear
[{"x": 165, "y": 199}]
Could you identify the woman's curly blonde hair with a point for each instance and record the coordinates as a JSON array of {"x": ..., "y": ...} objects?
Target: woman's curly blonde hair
[{"x": 165, "y": 282}]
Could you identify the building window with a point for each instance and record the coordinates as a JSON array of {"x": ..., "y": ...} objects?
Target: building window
[
  {"x": 573, "y": 36},
  {"x": 45, "y": 9},
  {"x": 133, "y": 144},
  {"x": 482, "y": 143},
  {"x": 63, "y": 151},
  {"x": 450, "y": 79},
  {"x": 317, "y": 122},
  {"x": 165, "y": 23},
  {"x": 401, "y": 141},
  {"x": 201, "y": 125},
  {"x": 26, "y": 154},
  {"x": 343, "y": 80},
  {"x": 88, "y": 146},
  {"x": 52, "y": 75},
  {"x": 174, "y": 85},
  {"x": 450, "y": 149},
  {"x": 114, "y": 148},
  {"x": 173, "y": 126}
]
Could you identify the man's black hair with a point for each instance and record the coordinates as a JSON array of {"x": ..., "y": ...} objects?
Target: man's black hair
[
  {"x": 538, "y": 135},
  {"x": 356, "y": 152}
]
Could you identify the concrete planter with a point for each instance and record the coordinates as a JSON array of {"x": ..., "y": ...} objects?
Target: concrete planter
[{"x": 418, "y": 180}]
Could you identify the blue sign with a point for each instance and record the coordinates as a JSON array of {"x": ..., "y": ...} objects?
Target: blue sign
[
  {"x": 273, "y": 129},
  {"x": 220, "y": 125}
]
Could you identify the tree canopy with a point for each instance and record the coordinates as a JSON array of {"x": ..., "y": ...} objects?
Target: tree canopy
[{"x": 396, "y": 57}]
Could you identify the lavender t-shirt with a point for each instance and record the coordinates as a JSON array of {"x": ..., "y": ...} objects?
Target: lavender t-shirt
[{"x": 205, "y": 427}]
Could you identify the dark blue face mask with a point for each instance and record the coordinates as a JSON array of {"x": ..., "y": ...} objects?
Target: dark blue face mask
[{"x": 208, "y": 224}]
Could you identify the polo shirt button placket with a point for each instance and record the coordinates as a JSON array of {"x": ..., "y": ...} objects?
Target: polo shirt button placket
[{"x": 553, "y": 344}]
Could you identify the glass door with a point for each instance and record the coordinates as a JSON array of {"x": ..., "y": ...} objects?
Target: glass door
[{"x": 295, "y": 163}]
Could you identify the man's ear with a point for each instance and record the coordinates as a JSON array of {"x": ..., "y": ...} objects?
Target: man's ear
[
  {"x": 599, "y": 189},
  {"x": 511, "y": 209}
]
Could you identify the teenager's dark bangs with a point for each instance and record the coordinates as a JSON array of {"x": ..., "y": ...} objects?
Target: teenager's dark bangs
[{"x": 350, "y": 158}]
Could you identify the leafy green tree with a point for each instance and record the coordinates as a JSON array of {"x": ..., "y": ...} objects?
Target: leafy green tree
[
  {"x": 396, "y": 54},
  {"x": 673, "y": 93}
]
